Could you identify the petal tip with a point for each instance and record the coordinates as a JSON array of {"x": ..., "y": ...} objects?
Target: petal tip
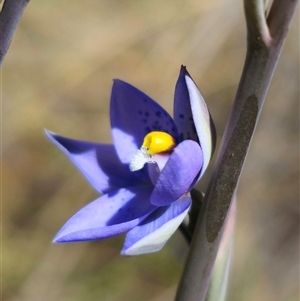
[
  {"x": 118, "y": 83},
  {"x": 56, "y": 240},
  {"x": 184, "y": 71},
  {"x": 59, "y": 238},
  {"x": 51, "y": 136},
  {"x": 183, "y": 68},
  {"x": 49, "y": 133},
  {"x": 134, "y": 251}
]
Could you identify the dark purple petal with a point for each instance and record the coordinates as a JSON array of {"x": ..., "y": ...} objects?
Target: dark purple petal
[
  {"x": 183, "y": 116},
  {"x": 153, "y": 232},
  {"x": 98, "y": 162},
  {"x": 109, "y": 215},
  {"x": 178, "y": 174},
  {"x": 133, "y": 115},
  {"x": 192, "y": 116}
]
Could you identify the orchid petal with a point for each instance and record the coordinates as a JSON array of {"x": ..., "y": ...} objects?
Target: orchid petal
[
  {"x": 154, "y": 168},
  {"x": 133, "y": 115},
  {"x": 203, "y": 122},
  {"x": 183, "y": 116},
  {"x": 192, "y": 116},
  {"x": 109, "y": 215},
  {"x": 153, "y": 232},
  {"x": 98, "y": 162},
  {"x": 179, "y": 173}
]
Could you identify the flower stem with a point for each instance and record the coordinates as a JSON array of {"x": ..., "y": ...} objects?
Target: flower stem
[
  {"x": 187, "y": 228},
  {"x": 220, "y": 276},
  {"x": 264, "y": 44},
  {"x": 10, "y": 17}
]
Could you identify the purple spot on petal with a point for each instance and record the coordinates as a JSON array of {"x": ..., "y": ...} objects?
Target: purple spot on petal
[
  {"x": 181, "y": 116},
  {"x": 145, "y": 120},
  {"x": 158, "y": 113},
  {"x": 147, "y": 114}
]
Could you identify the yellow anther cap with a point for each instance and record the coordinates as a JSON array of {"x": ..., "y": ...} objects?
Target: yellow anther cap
[
  {"x": 154, "y": 143},
  {"x": 158, "y": 142}
]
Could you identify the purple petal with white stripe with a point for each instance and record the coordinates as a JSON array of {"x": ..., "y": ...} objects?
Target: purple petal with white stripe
[
  {"x": 109, "y": 215},
  {"x": 192, "y": 116},
  {"x": 183, "y": 116},
  {"x": 153, "y": 232}
]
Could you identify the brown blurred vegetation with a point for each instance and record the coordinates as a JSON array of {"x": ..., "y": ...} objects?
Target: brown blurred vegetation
[{"x": 58, "y": 75}]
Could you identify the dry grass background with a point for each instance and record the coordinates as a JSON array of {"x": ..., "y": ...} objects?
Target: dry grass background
[{"x": 58, "y": 75}]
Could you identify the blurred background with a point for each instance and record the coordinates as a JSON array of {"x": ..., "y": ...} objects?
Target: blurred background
[{"x": 58, "y": 75}]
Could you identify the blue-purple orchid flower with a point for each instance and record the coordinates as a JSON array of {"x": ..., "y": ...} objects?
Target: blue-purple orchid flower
[{"x": 150, "y": 199}]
